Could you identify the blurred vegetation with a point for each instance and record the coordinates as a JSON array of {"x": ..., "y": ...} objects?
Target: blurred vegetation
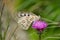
[
  {"x": 0, "y": 19},
  {"x": 49, "y": 10}
]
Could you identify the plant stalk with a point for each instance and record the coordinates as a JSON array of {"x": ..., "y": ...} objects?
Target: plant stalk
[{"x": 39, "y": 33}]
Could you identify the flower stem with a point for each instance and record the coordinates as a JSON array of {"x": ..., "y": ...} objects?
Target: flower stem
[
  {"x": 40, "y": 36},
  {"x": 39, "y": 33}
]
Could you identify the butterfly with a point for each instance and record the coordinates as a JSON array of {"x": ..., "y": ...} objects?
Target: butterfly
[{"x": 25, "y": 19}]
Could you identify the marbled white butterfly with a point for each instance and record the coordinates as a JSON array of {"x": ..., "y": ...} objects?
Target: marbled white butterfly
[{"x": 26, "y": 18}]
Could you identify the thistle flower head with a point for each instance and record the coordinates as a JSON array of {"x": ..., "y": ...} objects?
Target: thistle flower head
[{"x": 39, "y": 25}]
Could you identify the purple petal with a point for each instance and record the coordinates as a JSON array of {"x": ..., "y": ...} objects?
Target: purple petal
[{"x": 40, "y": 25}]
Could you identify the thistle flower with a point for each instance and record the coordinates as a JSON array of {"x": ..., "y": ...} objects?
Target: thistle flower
[{"x": 39, "y": 25}]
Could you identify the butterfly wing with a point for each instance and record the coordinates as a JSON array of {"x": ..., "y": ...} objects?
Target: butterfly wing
[
  {"x": 25, "y": 22},
  {"x": 22, "y": 22}
]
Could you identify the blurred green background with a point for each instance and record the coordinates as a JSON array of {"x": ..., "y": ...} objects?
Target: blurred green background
[{"x": 49, "y": 10}]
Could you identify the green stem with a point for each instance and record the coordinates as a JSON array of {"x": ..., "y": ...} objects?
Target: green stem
[
  {"x": 39, "y": 33},
  {"x": 40, "y": 36}
]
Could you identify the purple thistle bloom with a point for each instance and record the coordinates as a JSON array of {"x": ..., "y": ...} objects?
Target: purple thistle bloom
[{"x": 39, "y": 25}]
